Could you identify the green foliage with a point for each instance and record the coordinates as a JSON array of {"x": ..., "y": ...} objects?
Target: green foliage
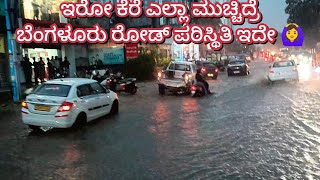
[
  {"x": 142, "y": 67},
  {"x": 163, "y": 62}
]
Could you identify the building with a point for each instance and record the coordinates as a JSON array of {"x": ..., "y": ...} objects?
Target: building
[
  {"x": 5, "y": 88},
  {"x": 43, "y": 13}
]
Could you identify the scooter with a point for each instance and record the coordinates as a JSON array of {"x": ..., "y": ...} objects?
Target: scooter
[
  {"x": 198, "y": 90},
  {"x": 95, "y": 75},
  {"x": 118, "y": 83}
]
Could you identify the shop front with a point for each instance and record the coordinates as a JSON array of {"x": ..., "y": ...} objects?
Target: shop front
[{"x": 34, "y": 55}]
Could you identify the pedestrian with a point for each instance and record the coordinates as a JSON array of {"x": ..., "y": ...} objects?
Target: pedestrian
[
  {"x": 50, "y": 68},
  {"x": 55, "y": 62},
  {"x": 42, "y": 70},
  {"x": 27, "y": 69},
  {"x": 65, "y": 66},
  {"x": 36, "y": 71}
]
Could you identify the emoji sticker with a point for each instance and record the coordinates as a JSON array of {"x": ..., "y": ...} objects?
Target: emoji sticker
[{"x": 292, "y": 35}]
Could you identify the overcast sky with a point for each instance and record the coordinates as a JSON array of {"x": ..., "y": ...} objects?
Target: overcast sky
[{"x": 273, "y": 12}]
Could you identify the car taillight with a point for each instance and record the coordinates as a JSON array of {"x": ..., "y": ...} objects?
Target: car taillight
[
  {"x": 24, "y": 104},
  {"x": 122, "y": 88},
  {"x": 203, "y": 70},
  {"x": 65, "y": 107},
  {"x": 108, "y": 82},
  {"x": 271, "y": 70},
  {"x": 217, "y": 70},
  {"x": 193, "y": 88}
]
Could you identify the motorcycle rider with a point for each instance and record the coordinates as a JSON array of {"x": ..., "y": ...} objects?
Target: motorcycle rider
[{"x": 200, "y": 79}]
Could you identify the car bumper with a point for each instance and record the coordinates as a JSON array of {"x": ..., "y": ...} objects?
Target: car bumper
[
  {"x": 236, "y": 71},
  {"x": 210, "y": 74},
  {"x": 48, "y": 120},
  {"x": 181, "y": 84},
  {"x": 176, "y": 88},
  {"x": 280, "y": 78}
]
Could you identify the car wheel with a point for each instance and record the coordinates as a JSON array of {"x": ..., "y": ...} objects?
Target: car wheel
[
  {"x": 162, "y": 90},
  {"x": 80, "y": 122},
  {"x": 115, "y": 108},
  {"x": 34, "y": 128}
]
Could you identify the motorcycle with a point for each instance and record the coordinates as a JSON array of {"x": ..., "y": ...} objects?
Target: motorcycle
[
  {"x": 198, "y": 90},
  {"x": 57, "y": 74},
  {"x": 117, "y": 83},
  {"x": 95, "y": 75}
]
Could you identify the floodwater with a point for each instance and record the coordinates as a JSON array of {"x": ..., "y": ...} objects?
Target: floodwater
[{"x": 247, "y": 130}]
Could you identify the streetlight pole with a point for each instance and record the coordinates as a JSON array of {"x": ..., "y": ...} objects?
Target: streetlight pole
[{"x": 15, "y": 79}]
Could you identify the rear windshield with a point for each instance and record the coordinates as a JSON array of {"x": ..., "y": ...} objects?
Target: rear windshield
[
  {"x": 236, "y": 62},
  {"x": 209, "y": 65},
  {"x": 283, "y": 64},
  {"x": 53, "y": 90},
  {"x": 182, "y": 67},
  {"x": 240, "y": 58}
]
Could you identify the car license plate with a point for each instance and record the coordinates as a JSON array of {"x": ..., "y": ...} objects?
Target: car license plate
[
  {"x": 236, "y": 72},
  {"x": 210, "y": 75},
  {"x": 42, "y": 108}
]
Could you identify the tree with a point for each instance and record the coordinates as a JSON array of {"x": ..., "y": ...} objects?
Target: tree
[
  {"x": 203, "y": 22},
  {"x": 306, "y": 13}
]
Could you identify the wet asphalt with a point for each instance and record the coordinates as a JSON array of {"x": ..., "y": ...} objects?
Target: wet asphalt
[{"x": 247, "y": 130}]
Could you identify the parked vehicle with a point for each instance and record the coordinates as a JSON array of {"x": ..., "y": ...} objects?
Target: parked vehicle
[
  {"x": 56, "y": 73},
  {"x": 208, "y": 69},
  {"x": 95, "y": 75},
  {"x": 238, "y": 66},
  {"x": 177, "y": 78},
  {"x": 283, "y": 70},
  {"x": 65, "y": 103},
  {"x": 118, "y": 83}
]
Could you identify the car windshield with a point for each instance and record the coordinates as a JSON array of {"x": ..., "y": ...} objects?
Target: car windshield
[
  {"x": 283, "y": 64},
  {"x": 241, "y": 57},
  {"x": 53, "y": 90}
]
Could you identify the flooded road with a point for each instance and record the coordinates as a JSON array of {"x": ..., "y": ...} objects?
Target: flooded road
[{"x": 247, "y": 130}]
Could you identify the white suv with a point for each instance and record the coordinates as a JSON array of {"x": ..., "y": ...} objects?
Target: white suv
[{"x": 70, "y": 102}]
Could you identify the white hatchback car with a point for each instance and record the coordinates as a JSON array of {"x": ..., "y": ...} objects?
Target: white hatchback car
[
  {"x": 70, "y": 102},
  {"x": 283, "y": 70}
]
